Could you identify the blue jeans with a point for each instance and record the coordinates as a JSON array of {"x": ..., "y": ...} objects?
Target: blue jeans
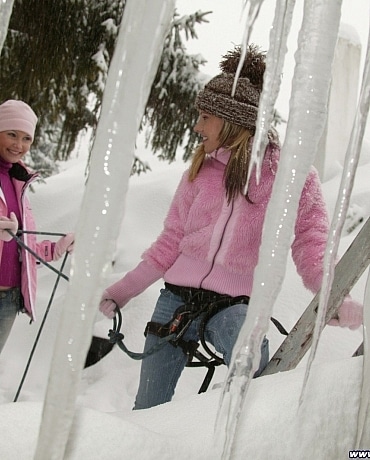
[
  {"x": 161, "y": 370},
  {"x": 10, "y": 304}
]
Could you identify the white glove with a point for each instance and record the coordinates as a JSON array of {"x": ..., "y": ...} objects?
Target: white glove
[{"x": 8, "y": 224}]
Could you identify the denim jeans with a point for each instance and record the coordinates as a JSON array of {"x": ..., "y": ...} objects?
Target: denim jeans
[
  {"x": 161, "y": 370},
  {"x": 9, "y": 307}
]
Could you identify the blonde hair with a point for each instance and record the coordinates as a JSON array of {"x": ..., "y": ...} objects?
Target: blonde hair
[{"x": 237, "y": 140}]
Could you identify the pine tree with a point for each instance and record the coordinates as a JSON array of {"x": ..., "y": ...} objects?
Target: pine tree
[
  {"x": 171, "y": 101},
  {"x": 56, "y": 57}
]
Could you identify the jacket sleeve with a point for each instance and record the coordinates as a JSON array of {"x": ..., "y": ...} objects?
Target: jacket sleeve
[
  {"x": 45, "y": 250},
  {"x": 132, "y": 284},
  {"x": 165, "y": 250},
  {"x": 311, "y": 233}
]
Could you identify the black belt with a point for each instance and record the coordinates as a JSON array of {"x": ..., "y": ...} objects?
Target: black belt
[{"x": 201, "y": 296}]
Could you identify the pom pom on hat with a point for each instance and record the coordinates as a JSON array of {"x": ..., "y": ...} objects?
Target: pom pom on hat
[
  {"x": 242, "y": 108},
  {"x": 18, "y": 116},
  {"x": 253, "y": 67}
]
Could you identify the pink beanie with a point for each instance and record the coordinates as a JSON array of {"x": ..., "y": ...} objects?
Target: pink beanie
[{"x": 18, "y": 116}]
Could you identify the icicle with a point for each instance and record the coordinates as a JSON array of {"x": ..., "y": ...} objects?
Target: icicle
[
  {"x": 340, "y": 212},
  {"x": 360, "y": 124},
  {"x": 362, "y": 441},
  {"x": 252, "y": 9},
  {"x": 307, "y": 117},
  {"x": 6, "y": 7},
  {"x": 271, "y": 84},
  {"x": 130, "y": 76}
]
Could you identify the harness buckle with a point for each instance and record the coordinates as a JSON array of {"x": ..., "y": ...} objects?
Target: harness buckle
[{"x": 175, "y": 323}]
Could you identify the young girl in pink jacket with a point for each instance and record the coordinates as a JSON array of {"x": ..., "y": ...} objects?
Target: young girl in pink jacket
[
  {"x": 208, "y": 249},
  {"x": 17, "y": 265}
]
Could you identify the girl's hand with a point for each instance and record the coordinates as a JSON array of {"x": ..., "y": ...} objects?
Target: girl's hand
[
  {"x": 7, "y": 223},
  {"x": 350, "y": 314},
  {"x": 107, "y": 306},
  {"x": 64, "y": 244}
]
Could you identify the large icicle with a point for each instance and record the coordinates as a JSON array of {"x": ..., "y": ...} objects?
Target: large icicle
[
  {"x": 6, "y": 7},
  {"x": 359, "y": 127},
  {"x": 340, "y": 211},
  {"x": 131, "y": 73},
  {"x": 310, "y": 90},
  {"x": 271, "y": 85}
]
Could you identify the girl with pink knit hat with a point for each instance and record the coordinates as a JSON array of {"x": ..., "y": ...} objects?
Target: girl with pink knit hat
[
  {"x": 208, "y": 249},
  {"x": 17, "y": 266}
]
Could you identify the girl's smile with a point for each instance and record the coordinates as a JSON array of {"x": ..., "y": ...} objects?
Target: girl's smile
[
  {"x": 14, "y": 145},
  {"x": 209, "y": 127}
]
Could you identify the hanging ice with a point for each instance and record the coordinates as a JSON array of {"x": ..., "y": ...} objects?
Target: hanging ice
[
  {"x": 252, "y": 9},
  {"x": 340, "y": 211},
  {"x": 6, "y": 7},
  {"x": 355, "y": 142},
  {"x": 271, "y": 85},
  {"x": 131, "y": 73},
  {"x": 310, "y": 89}
]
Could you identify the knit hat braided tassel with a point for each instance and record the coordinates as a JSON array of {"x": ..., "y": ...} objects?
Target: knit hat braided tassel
[{"x": 242, "y": 108}]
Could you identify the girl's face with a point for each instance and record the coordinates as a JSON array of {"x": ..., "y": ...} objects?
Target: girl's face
[
  {"x": 14, "y": 145},
  {"x": 209, "y": 127}
]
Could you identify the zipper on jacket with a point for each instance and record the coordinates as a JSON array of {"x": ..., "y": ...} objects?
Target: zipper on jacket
[{"x": 219, "y": 244}]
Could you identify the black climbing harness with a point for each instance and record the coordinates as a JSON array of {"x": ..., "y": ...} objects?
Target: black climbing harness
[
  {"x": 175, "y": 338},
  {"x": 197, "y": 303}
]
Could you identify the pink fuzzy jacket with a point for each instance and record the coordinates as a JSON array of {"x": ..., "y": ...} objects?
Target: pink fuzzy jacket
[{"x": 209, "y": 243}]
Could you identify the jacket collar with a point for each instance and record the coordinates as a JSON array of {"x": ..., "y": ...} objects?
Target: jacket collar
[
  {"x": 20, "y": 172},
  {"x": 221, "y": 154}
]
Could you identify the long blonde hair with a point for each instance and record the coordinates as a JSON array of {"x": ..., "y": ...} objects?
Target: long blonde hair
[{"x": 237, "y": 140}]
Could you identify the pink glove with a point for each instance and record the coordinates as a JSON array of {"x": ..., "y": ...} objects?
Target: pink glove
[
  {"x": 131, "y": 285},
  {"x": 64, "y": 244},
  {"x": 349, "y": 314},
  {"x": 8, "y": 224}
]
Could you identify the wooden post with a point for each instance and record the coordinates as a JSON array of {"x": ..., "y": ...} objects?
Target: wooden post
[{"x": 347, "y": 272}]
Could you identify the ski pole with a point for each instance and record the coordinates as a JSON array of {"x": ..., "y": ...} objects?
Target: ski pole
[
  {"x": 34, "y": 232},
  {"x": 40, "y": 259},
  {"x": 41, "y": 327}
]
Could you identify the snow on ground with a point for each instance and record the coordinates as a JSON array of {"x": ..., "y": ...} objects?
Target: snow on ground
[{"x": 273, "y": 427}]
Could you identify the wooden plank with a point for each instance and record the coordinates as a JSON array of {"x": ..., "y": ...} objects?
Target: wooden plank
[{"x": 347, "y": 272}]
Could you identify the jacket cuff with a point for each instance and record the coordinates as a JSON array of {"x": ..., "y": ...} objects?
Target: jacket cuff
[
  {"x": 46, "y": 250},
  {"x": 133, "y": 283}
]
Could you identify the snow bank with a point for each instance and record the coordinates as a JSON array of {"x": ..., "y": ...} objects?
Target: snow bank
[{"x": 272, "y": 426}]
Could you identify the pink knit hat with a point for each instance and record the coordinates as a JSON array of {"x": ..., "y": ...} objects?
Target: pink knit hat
[{"x": 18, "y": 116}]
